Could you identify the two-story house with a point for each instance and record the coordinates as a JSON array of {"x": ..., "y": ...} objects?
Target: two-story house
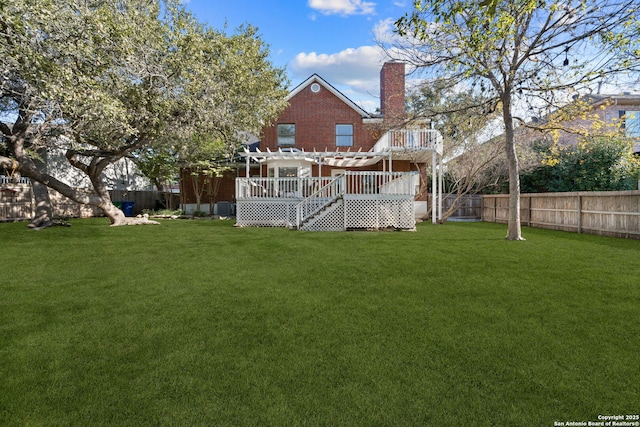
[{"x": 327, "y": 164}]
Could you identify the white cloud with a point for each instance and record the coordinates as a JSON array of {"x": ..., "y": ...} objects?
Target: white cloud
[
  {"x": 355, "y": 67},
  {"x": 383, "y": 31},
  {"x": 355, "y": 72},
  {"x": 343, "y": 7}
]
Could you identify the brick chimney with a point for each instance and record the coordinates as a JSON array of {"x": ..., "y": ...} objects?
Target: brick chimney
[{"x": 392, "y": 90}]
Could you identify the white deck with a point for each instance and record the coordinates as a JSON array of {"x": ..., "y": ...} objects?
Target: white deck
[{"x": 354, "y": 200}]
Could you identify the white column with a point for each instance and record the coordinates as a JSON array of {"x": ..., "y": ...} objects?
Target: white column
[
  {"x": 440, "y": 186},
  {"x": 434, "y": 184}
]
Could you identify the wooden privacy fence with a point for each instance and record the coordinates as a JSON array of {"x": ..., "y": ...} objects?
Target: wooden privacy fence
[
  {"x": 17, "y": 203},
  {"x": 467, "y": 207},
  {"x": 609, "y": 213}
]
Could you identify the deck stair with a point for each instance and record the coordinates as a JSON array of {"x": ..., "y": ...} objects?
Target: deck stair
[
  {"x": 330, "y": 218},
  {"x": 319, "y": 202}
]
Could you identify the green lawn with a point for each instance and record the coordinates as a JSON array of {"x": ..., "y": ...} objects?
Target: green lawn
[{"x": 201, "y": 323}]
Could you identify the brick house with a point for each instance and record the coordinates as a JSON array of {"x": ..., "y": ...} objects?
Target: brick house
[{"x": 325, "y": 142}]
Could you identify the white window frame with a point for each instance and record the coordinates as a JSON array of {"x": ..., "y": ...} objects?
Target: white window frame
[
  {"x": 286, "y": 138},
  {"x": 344, "y": 132}
]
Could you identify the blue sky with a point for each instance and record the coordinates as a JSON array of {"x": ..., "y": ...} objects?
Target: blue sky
[{"x": 333, "y": 38}]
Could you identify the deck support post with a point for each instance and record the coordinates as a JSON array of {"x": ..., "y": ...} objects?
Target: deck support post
[
  {"x": 434, "y": 185},
  {"x": 440, "y": 187}
]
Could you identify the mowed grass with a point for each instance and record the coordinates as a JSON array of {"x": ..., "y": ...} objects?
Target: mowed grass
[{"x": 201, "y": 323}]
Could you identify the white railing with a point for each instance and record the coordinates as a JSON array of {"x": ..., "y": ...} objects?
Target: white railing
[
  {"x": 278, "y": 188},
  {"x": 390, "y": 183},
  {"x": 424, "y": 139},
  {"x": 296, "y": 201},
  {"x": 320, "y": 199},
  {"x": 353, "y": 183},
  {"x": 367, "y": 184},
  {"x": 9, "y": 180}
]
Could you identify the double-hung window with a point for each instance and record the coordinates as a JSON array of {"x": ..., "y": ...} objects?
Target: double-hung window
[
  {"x": 286, "y": 135},
  {"x": 344, "y": 135}
]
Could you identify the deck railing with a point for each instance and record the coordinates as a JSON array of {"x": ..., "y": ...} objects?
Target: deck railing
[
  {"x": 352, "y": 183},
  {"x": 391, "y": 183},
  {"x": 9, "y": 180},
  {"x": 367, "y": 184},
  {"x": 278, "y": 188},
  {"x": 323, "y": 197},
  {"x": 296, "y": 201},
  {"x": 429, "y": 139}
]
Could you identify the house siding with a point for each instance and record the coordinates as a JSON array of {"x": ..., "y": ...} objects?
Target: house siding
[
  {"x": 608, "y": 111},
  {"x": 226, "y": 189}
]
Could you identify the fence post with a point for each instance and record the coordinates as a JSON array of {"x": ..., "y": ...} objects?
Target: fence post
[{"x": 579, "y": 214}]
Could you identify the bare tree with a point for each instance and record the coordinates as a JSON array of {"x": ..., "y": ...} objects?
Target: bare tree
[{"x": 463, "y": 119}]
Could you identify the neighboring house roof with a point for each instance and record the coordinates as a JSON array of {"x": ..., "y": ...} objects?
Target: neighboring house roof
[
  {"x": 626, "y": 98},
  {"x": 315, "y": 78}
]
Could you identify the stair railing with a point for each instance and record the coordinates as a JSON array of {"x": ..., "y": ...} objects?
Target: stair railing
[{"x": 320, "y": 199}]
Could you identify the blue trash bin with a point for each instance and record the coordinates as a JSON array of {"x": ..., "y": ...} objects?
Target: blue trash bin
[{"x": 127, "y": 208}]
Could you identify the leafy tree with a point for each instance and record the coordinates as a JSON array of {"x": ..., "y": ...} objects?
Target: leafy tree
[
  {"x": 594, "y": 164},
  {"x": 132, "y": 78},
  {"x": 520, "y": 53}
]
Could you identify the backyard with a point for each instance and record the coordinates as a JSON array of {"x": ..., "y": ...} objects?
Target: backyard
[{"x": 195, "y": 322}]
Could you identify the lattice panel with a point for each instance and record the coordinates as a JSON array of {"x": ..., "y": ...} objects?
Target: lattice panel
[
  {"x": 361, "y": 213},
  {"x": 348, "y": 214},
  {"x": 266, "y": 213},
  {"x": 332, "y": 219},
  {"x": 398, "y": 214},
  {"x": 392, "y": 213}
]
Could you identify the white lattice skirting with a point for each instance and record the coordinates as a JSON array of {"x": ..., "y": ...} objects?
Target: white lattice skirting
[
  {"x": 352, "y": 212},
  {"x": 266, "y": 213}
]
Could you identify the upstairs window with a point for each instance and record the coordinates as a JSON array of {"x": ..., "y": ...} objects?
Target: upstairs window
[
  {"x": 631, "y": 122},
  {"x": 344, "y": 135},
  {"x": 286, "y": 135}
]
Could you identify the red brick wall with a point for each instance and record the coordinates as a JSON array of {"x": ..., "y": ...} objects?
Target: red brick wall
[
  {"x": 226, "y": 191},
  {"x": 316, "y": 116},
  {"x": 392, "y": 103}
]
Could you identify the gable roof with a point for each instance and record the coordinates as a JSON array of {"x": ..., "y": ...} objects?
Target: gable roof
[{"x": 315, "y": 78}]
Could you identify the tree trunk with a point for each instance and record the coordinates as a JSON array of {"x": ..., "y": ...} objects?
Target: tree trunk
[
  {"x": 44, "y": 212},
  {"x": 116, "y": 216},
  {"x": 514, "y": 230},
  {"x": 99, "y": 197}
]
